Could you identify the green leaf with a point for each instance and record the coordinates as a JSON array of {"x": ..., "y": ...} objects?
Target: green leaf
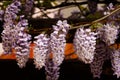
[{"x": 96, "y": 25}]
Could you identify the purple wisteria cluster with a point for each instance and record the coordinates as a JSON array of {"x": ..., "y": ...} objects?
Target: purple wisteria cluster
[
  {"x": 58, "y": 41},
  {"x": 108, "y": 33},
  {"x": 52, "y": 71},
  {"x": 22, "y": 43},
  {"x": 14, "y": 35},
  {"x": 84, "y": 44},
  {"x": 115, "y": 61},
  {"x": 57, "y": 47},
  {"x": 103, "y": 53},
  {"x": 41, "y": 50},
  {"x": 10, "y": 16},
  {"x": 54, "y": 44}
]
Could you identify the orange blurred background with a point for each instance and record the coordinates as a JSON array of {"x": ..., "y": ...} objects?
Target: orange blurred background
[{"x": 69, "y": 52}]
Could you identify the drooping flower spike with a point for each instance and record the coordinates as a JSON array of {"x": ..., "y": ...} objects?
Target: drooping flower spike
[
  {"x": 84, "y": 44},
  {"x": 10, "y": 16},
  {"x": 103, "y": 53},
  {"x": 115, "y": 61},
  {"x": 22, "y": 43},
  {"x": 108, "y": 33},
  {"x": 57, "y": 47},
  {"x": 41, "y": 50}
]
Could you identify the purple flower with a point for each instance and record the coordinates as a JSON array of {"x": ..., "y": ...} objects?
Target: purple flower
[
  {"x": 115, "y": 60},
  {"x": 84, "y": 44},
  {"x": 8, "y": 36},
  {"x": 52, "y": 71},
  {"x": 103, "y": 52},
  {"x": 41, "y": 50}
]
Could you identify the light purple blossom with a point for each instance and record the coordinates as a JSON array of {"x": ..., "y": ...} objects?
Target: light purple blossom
[
  {"x": 103, "y": 53},
  {"x": 52, "y": 71},
  {"x": 84, "y": 44},
  {"x": 115, "y": 61},
  {"x": 108, "y": 33},
  {"x": 22, "y": 43},
  {"x": 57, "y": 46},
  {"x": 10, "y": 16},
  {"x": 41, "y": 50}
]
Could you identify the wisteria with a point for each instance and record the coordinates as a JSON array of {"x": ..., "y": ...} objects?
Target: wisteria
[
  {"x": 115, "y": 61},
  {"x": 84, "y": 44},
  {"x": 107, "y": 36},
  {"x": 9, "y": 24},
  {"x": 41, "y": 50},
  {"x": 11, "y": 13},
  {"x": 108, "y": 33},
  {"x": 57, "y": 46},
  {"x": 52, "y": 71},
  {"x": 13, "y": 35},
  {"x": 58, "y": 41},
  {"x": 22, "y": 43},
  {"x": 91, "y": 46},
  {"x": 103, "y": 53}
]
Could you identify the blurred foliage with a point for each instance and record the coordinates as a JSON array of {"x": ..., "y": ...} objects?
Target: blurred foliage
[
  {"x": 95, "y": 15},
  {"x": 96, "y": 25},
  {"x": 5, "y": 4},
  {"x": 47, "y": 3}
]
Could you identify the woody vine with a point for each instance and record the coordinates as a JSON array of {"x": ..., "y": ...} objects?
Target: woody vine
[{"x": 91, "y": 41}]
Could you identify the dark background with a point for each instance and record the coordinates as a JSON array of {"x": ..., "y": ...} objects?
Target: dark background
[{"x": 70, "y": 70}]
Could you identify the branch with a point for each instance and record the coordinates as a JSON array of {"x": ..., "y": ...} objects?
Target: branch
[
  {"x": 44, "y": 14},
  {"x": 88, "y": 23},
  {"x": 98, "y": 20},
  {"x": 64, "y": 4}
]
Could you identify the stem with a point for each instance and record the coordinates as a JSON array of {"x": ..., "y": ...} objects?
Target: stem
[
  {"x": 98, "y": 20},
  {"x": 95, "y": 21}
]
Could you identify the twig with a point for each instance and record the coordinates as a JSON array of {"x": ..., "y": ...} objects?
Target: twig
[
  {"x": 95, "y": 21},
  {"x": 98, "y": 20},
  {"x": 63, "y": 4},
  {"x": 78, "y": 7},
  {"x": 44, "y": 14}
]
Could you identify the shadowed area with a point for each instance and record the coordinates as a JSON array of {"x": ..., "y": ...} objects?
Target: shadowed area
[{"x": 70, "y": 70}]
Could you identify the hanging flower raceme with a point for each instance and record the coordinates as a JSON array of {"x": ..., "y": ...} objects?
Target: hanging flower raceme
[
  {"x": 58, "y": 41},
  {"x": 52, "y": 70},
  {"x": 41, "y": 50},
  {"x": 22, "y": 43},
  {"x": 6, "y": 41},
  {"x": 57, "y": 46},
  {"x": 115, "y": 61},
  {"x": 84, "y": 44},
  {"x": 108, "y": 33},
  {"x": 11, "y": 14},
  {"x": 103, "y": 53},
  {"x": 9, "y": 24}
]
